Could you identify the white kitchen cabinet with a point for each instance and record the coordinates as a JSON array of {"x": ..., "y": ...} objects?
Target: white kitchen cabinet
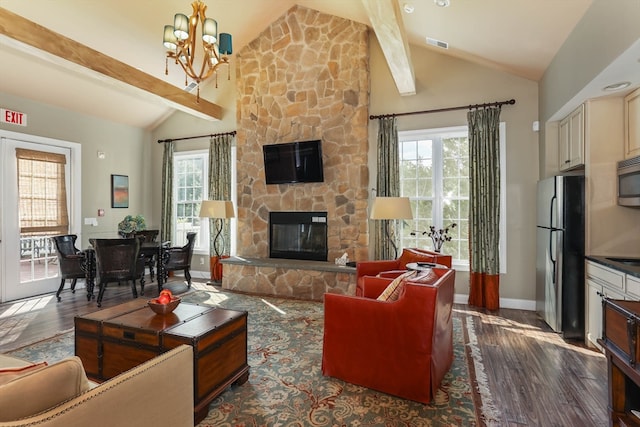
[
  {"x": 602, "y": 282},
  {"x": 633, "y": 287},
  {"x": 571, "y": 140},
  {"x": 595, "y": 293},
  {"x": 632, "y": 124}
]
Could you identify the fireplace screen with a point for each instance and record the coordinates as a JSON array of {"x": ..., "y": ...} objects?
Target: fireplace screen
[{"x": 298, "y": 235}]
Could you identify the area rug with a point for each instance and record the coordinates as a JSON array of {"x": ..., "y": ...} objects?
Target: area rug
[{"x": 286, "y": 386}]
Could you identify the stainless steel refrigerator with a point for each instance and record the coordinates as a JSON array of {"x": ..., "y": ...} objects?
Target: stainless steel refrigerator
[{"x": 560, "y": 254}]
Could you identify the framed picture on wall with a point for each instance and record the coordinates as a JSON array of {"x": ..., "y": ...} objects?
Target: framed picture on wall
[{"x": 119, "y": 191}]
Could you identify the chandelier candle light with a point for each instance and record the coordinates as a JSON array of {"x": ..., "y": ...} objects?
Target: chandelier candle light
[
  {"x": 180, "y": 41},
  {"x": 219, "y": 210}
]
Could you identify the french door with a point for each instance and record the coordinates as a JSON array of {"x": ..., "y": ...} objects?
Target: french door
[{"x": 28, "y": 265}]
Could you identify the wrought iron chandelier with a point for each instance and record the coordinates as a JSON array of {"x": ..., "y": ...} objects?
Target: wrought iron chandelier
[{"x": 180, "y": 41}]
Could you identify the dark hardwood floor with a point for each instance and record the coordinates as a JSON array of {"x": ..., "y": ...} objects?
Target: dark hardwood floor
[{"x": 534, "y": 376}]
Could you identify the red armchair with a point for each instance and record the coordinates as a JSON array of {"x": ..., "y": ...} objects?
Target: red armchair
[
  {"x": 403, "y": 348},
  {"x": 393, "y": 268}
]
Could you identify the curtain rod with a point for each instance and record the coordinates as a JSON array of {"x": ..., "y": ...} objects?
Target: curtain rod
[
  {"x": 439, "y": 110},
  {"x": 162, "y": 141}
]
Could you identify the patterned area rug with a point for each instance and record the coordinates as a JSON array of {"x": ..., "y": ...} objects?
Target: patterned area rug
[{"x": 286, "y": 386}]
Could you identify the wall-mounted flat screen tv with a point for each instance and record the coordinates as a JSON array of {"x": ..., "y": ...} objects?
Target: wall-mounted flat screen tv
[{"x": 293, "y": 162}]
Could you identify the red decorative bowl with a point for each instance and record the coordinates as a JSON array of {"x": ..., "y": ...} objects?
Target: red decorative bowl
[{"x": 164, "y": 308}]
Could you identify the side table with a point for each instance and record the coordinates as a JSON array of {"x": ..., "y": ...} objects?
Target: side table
[{"x": 422, "y": 266}]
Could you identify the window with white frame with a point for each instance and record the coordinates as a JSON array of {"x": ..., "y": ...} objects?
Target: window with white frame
[
  {"x": 190, "y": 187},
  {"x": 434, "y": 174},
  {"x": 190, "y": 171}
]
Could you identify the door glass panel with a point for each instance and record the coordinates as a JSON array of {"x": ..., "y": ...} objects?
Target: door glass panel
[{"x": 38, "y": 259}]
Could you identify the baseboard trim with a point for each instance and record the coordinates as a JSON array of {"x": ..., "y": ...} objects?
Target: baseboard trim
[
  {"x": 201, "y": 274},
  {"x": 516, "y": 304}
]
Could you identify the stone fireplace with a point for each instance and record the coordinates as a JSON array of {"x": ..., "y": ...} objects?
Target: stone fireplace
[
  {"x": 304, "y": 77},
  {"x": 298, "y": 235}
]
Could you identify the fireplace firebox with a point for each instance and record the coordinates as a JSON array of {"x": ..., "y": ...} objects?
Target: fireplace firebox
[{"x": 298, "y": 235}]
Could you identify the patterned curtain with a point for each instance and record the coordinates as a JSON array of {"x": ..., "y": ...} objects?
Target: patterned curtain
[
  {"x": 167, "y": 193},
  {"x": 387, "y": 182},
  {"x": 220, "y": 185},
  {"x": 484, "y": 211}
]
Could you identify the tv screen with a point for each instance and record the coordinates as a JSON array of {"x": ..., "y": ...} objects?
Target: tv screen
[{"x": 293, "y": 162}]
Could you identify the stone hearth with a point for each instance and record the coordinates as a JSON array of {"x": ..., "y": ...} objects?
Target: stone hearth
[{"x": 308, "y": 280}]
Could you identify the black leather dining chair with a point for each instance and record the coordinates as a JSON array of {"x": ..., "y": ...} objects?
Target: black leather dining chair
[
  {"x": 179, "y": 257},
  {"x": 117, "y": 260},
  {"x": 149, "y": 253},
  {"x": 70, "y": 261}
]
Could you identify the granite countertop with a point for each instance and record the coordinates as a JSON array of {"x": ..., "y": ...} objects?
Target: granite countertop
[{"x": 606, "y": 260}]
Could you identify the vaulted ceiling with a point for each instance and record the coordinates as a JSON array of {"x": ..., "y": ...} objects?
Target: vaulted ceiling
[{"x": 111, "y": 62}]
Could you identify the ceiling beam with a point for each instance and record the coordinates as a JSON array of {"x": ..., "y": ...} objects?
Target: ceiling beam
[
  {"x": 386, "y": 20},
  {"x": 36, "y": 36}
]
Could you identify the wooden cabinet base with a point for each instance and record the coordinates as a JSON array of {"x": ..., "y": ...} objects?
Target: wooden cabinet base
[
  {"x": 114, "y": 340},
  {"x": 621, "y": 320}
]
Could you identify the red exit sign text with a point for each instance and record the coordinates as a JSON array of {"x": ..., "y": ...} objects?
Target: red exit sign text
[{"x": 13, "y": 117}]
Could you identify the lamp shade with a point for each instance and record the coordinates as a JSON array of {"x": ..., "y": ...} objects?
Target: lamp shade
[
  {"x": 391, "y": 208},
  {"x": 169, "y": 38},
  {"x": 225, "y": 44},
  {"x": 181, "y": 26},
  {"x": 210, "y": 31},
  {"x": 217, "y": 209}
]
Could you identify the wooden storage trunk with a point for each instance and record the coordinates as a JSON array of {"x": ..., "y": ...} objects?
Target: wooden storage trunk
[
  {"x": 220, "y": 353},
  {"x": 117, "y": 339},
  {"x": 135, "y": 337},
  {"x": 620, "y": 325},
  {"x": 88, "y": 336}
]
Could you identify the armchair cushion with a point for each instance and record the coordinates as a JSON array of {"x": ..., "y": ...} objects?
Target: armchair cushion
[
  {"x": 372, "y": 287},
  {"x": 393, "y": 290},
  {"x": 10, "y": 374},
  {"x": 41, "y": 389}
]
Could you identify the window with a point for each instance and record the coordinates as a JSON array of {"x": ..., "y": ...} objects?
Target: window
[
  {"x": 190, "y": 171},
  {"x": 434, "y": 174},
  {"x": 190, "y": 187},
  {"x": 42, "y": 192},
  {"x": 42, "y": 206}
]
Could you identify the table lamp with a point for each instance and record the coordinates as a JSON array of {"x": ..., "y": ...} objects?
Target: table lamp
[
  {"x": 218, "y": 210},
  {"x": 391, "y": 208}
]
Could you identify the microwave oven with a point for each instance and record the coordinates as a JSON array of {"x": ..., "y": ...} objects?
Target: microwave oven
[{"x": 629, "y": 182}]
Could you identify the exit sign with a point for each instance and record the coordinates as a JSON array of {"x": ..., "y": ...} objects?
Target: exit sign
[{"x": 13, "y": 117}]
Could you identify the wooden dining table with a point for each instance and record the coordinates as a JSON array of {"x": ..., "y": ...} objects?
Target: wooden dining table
[{"x": 156, "y": 249}]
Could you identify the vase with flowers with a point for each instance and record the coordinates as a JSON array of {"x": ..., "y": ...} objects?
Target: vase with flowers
[{"x": 438, "y": 236}]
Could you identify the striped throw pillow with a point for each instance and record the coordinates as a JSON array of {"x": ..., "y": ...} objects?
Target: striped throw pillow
[{"x": 392, "y": 291}]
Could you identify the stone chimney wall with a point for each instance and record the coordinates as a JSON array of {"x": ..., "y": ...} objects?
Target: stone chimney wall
[{"x": 305, "y": 77}]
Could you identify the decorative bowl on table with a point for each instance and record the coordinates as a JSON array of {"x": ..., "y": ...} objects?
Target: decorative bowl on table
[{"x": 167, "y": 308}]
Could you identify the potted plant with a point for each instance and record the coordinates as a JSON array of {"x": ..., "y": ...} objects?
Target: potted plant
[{"x": 131, "y": 224}]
